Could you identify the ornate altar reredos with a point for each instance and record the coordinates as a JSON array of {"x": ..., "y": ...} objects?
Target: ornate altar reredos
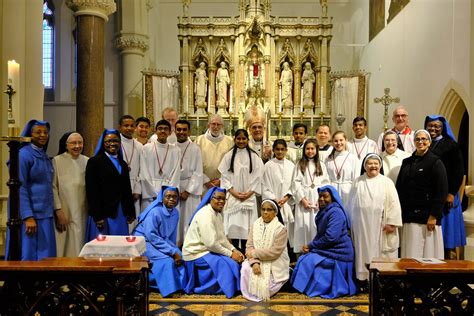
[{"x": 256, "y": 62}]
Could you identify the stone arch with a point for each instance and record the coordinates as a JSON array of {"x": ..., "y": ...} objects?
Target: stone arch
[{"x": 452, "y": 105}]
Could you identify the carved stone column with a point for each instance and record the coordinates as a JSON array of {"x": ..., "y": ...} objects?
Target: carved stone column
[
  {"x": 297, "y": 89},
  {"x": 212, "y": 89},
  {"x": 324, "y": 73},
  {"x": 187, "y": 95},
  {"x": 241, "y": 91},
  {"x": 91, "y": 16}
]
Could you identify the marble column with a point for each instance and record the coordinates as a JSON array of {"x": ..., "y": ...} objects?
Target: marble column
[
  {"x": 91, "y": 16},
  {"x": 324, "y": 73}
]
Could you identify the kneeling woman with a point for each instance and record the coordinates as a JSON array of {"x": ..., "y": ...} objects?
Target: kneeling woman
[
  {"x": 326, "y": 269},
  {"x": 266, "y": 269},
  {"x": 159, "y": 225}
]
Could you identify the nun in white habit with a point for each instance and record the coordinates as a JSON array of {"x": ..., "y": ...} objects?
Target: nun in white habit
[{"x": 375, "y": 214}]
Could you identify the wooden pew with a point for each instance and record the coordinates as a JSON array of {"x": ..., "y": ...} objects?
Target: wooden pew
[
  {"x": 74, "y": 286},
  {"x": 408, "y": 287}
]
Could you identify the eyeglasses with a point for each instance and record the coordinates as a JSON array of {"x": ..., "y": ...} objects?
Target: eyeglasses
[
  {"x": 171, "y": 197},
  {"x": 401, "y": 115},
  {"x": 421, "y": 140},
  {"x": 112, "y": 141},
  {"x": 219, "y": 199}
]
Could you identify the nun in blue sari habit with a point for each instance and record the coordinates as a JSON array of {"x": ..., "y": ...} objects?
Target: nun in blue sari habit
[
  {"x": 158, "y": 223},
  {"x": 108, "y": 190},
  {"x": 36, "y": 195},
  {"x": 444, "y": 145},
  {"x": 211, "y": 262},
  {"x": 326, "y": 268}
]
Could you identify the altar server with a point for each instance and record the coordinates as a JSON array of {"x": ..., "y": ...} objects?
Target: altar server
[
  {"x": 36, "y": 195},
  {"x": 444, "y": 145},
  {"x": 69, "y": 188},
  {"x": 308, "y": 175},
  {"x": 159, "y": 225},
  {"x": 211, "y": 262},
  {"x": 159, "y": 164},
  {"x": 295, "y": 147},
  {"x": 341, "y": 166},
  {"x": 131, "y": 150},
  {"x": 190, "y": 184},
  {"x": 361, "y": 145},
  {"x": 277, "y": 177},
  {"x": 242, "y": 171},
  {"x": 374, "y": 209},
  {"x": 109, "y": 194}
]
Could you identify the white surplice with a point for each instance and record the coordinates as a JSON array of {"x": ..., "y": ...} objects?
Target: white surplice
[
  {"x": 392, "y": 163},
  {"x": 132, "y": 149},
  {"x": 240, "y": 215},
  {"x": 305, "y": 227},
  {"x": 407, "y": 138},
  {"x": 323, "y": 154},
  {"x": 69, "y": 190},
  {"x": 360, "y": 148},
  {"x": 276, "y": 184},
  {"x": 213, "y": 150},
  {"x": 295, "y": 152},
  {"x": 153, "y": 156},
  {"x": 191, "y": 182},
  {"x": 345, "y": 164},
  {"x": 374, "y": 203}
]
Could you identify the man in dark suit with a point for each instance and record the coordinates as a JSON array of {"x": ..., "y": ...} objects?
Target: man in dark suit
[{"x": 109, "y": 194}]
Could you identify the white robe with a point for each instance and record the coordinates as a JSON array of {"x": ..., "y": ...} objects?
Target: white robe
[
  {"x": 69, "y": 190},
  {"x": 212, "y": 151},
  {"x": 305, "y": 227},
  {"x": 259, "y": 146},
  {"x": 392, "y": 163},
  {"x": 191, "y": 182},
  {"x": 150, "y": 178},
  {"x": 360, "y": 148},
  {"x": 323, "y": 154},
  {"x": 374, "y": 203},
  {"x": 294, "y": 152},
  {"x": 346, "y": 164},
  {"x": 408, "y": 142},
  {"x": 276, "y": 184},
  {"x": 132, "y": 150},
  {"x": 240, "y": 215}
]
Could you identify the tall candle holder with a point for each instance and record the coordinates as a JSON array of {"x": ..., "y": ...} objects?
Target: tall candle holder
[
  {"x": 12, "y": 130},
  {"x": 280, "y": 123}
]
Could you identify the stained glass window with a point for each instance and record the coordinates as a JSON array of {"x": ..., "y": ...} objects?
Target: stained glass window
[{"x": 48, "y": 45}]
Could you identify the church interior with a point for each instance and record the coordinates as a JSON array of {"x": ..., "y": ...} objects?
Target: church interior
[{"x": 82, "y": 64}]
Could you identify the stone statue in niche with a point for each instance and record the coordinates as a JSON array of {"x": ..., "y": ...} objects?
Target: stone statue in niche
[
  {"x": 222, "y": 50},
  {"x": 222, "y": 81},
  {"x": 286, "y": 84},
  {"x": 255, "y": 72},
  {"x": 307, "y": 80},
  {"x": 200, "y": 84}
]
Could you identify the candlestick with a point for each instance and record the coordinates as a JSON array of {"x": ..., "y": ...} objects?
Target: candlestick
[
  {"x": 230, "y": 100},
  {"x": 279, "y": 99},
  {"x": 13, "y": 86},
  {"x": 291, "y": 119},
  {"x": 187, "y": 99},
  {"x": 301, "y": 100}
]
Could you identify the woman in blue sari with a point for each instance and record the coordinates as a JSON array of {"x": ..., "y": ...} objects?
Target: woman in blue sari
[
  {"x": 159, "y": 224},
  {"x": 326, "y": 268}
]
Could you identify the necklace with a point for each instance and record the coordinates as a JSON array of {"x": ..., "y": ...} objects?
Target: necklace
[
  {"x": 311, "y": 177},
  {"x": 338, "y": 172},
  {"x": 129, "y": 162},
  {"x": 158, "y": 159},
  {"x": 182, "y": 156},
  {"x": 357, "y": 151}
]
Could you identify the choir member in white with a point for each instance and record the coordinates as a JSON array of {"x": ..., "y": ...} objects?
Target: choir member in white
[
  {"x": 295, "y": 147},
  {"x": 266, "y": 269},
  {"x": 341, "y": 166},
  {"x": 159, "y": 164},
  {"x": 392, "y": 156},
  {"x": 69, "y": 191},
  {"x": 131, "y": 150},
  {"x": 277, "y": 183},
  {"x": 214, "y": 145},
  {"x": 323, "y": 134},
  {"x": 190, "y": 185},
  {"x": 171, "y": 115},
  {"x": 142, "y": 130},
  {"x": 361, "y": 145},
  {"x": 242, "y": 172},
  {"x": 309, "y": 174},
  {"x": 406, "y": 134},
  {"x": 375, "y": 213}
]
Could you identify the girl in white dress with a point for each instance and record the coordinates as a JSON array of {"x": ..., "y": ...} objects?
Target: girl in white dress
[
  {"x": 308, "y": 176},
  {"x": 242, "y": 171},
  {"x": 341, "y": 166}
]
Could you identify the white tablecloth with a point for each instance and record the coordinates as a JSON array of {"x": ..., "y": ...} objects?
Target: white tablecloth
[{"x": 114, "y": 246}]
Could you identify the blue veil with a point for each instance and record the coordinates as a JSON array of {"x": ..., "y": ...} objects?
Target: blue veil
[
  {"x": 205, "y": 200},
  {"x": 157, "y": 202},
  {"x": 447, "y": 131},
  {"x": 336, "y": 198},
  {"x": 29, "y": 127},
  {"x": 100, "y": 144}
]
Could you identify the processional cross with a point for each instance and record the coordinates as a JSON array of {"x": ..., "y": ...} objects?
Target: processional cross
[{"x": 386, "y": 101}]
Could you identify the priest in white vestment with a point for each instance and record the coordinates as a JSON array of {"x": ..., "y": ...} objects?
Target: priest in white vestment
[
  {"x": 392, "y": 156},
  {"x": 131, "y": 150},
  {"x": 214, "y": 145},
  {"x": 69, "y": 191},
  {"x": 342, "y": 166},
  {"x": 309, "y": 174},
  {"x": 190, "y": 184},
  {"x": 376, "y": 216},
  {"x": 406, "y": 134},
  {"x": 323, "y": 135},
  {"x": 159, "y": 164}
]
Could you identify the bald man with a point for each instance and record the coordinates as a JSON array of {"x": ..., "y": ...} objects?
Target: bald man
[{"x": 400, "y": 119}]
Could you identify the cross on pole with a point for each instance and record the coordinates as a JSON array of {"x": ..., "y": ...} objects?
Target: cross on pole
[{"x": 386, "y": 100}]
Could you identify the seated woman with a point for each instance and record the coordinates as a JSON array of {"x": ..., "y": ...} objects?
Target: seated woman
[
  {"x": 210, "y": 260},
  {"x": 266, "y": 270},
  {"x": 327, "y": 267},
  {"x": 159, "y": 225}
]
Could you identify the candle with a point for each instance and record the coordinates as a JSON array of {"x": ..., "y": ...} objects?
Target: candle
[
  {"x": 197, "y": 124},
  {"x": 301, "y": 100},
  {"x": 14, "y": 81},
  {"x": 291, "y": 119},
  {"x": 230, "y": 99},
  {"x": 279, "y": 99}
]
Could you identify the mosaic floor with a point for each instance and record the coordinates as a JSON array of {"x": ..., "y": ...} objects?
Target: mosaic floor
[{"x": 281, "y": 304}]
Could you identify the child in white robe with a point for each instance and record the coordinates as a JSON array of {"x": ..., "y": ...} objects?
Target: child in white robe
[{"x": 309, "y": 174}]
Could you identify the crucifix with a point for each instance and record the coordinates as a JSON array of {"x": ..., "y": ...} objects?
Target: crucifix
[{"x": 386, "y": 101}]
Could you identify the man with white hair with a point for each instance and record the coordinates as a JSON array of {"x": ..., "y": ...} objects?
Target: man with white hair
[
  {"x": 214, "y": 145},
  {"x": 400, "y": 119}
]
